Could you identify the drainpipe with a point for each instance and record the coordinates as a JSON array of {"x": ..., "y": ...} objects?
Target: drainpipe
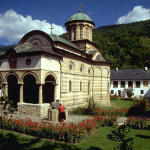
[
  {"x": 60, "y": 77},
  {"x": 92, "y": 82}
]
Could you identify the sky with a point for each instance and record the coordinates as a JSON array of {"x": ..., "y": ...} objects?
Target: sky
[{"x": 18, "y": 17}]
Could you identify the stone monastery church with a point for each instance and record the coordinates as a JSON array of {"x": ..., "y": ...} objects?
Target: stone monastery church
[{"x": 44, "y": 68}]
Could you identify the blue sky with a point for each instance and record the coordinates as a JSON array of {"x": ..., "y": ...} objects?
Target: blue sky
[{"x": 18, "y": 17}]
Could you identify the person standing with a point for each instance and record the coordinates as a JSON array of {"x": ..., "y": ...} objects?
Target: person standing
[{"x": 62, "y": 115}]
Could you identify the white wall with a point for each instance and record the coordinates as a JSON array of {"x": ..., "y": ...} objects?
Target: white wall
[
  {"x": 136, "y": 91},
  {"x": 50, "y": 63}
]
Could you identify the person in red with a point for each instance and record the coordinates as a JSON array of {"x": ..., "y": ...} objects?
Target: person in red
[{"x": 62, "y": 115}]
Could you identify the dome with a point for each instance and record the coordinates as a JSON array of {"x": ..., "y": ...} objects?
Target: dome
[{"x": 79, "y": 16}]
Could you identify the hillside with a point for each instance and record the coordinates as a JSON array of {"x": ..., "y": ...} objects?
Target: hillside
[
  {"x": 5, "y": 48},
  {"x": 127, "y": 46}
]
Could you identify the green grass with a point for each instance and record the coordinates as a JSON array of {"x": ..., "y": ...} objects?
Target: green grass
[
  {"x": 118, "y": 104},
  {"x": 97, "y": 141}
]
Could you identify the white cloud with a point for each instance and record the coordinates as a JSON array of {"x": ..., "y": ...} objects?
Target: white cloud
[
  {"x": 14, "y": 26},
  {"x": 137, "y": 14}
]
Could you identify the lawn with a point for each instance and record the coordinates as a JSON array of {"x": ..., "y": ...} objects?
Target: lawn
[
  {"x": 97, "y": 141},
  {"x": 118, "y": 103}
]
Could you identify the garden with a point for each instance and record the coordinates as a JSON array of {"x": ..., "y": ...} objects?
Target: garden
[{"x": 100, "y": 132}]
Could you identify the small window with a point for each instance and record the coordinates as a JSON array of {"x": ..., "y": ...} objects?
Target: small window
[
  {"x": 130, "y": 84},
  {"x": 28, "y": 61},
  {"x": 70, "y": 66},
  {"x": 137, "y": 84},
  {"x": 88, "y": 87},
  {"x": 145, "y": 83},
  {"x": 112, "y": 91},
  {"x": 122, "y": 84},
  {"x": 80, "y": 86},
  {"x": 142, "y": 91},
  {"x": 81, "y": 69},
  {"x": 115, "y": 83},
  {"x": 69, "y": 86},
  {"x": 89, "y": 70}
]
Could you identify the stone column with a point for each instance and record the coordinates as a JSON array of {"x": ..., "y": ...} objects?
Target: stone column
[
  {"x": 40, "y": 94},
  {"x": 78, "y": 33},
  {"x": 5, "y": 88},
  {"x": 72, "y": 34},
  {"x": 21, "y": 93},
  {"x": 57, "y": 93}
]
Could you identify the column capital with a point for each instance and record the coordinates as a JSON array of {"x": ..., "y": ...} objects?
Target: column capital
[
  {"x": 4, "y": 83},
  {"x": 20, "y": 83}
]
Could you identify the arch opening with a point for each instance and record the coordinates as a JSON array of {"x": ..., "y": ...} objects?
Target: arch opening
[
  {"x": 13, "y": 89},
  {"x": 30, "y": 89},
  {"x": 49, "y": 89}
]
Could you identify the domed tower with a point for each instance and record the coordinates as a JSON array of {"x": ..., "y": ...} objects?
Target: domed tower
[{"x": 79, "y": 27}]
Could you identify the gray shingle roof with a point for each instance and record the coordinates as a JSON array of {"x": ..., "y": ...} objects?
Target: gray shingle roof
[
  {"x": 34, "y": 49},
  {"x": 130, "y": 74},
  {"x": 100, "y": 58},
  {"x": 62, "y": 40}
]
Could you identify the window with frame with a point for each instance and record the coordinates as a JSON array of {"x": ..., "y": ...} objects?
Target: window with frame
[
  {"x": 142, "y": 91},
  {"x": 70, "y": 86},
  {"x": 112, "y": 91},
  {"x": 80, "y": 85},
  {"x": 70, "y": 66},
  {"x": 137, "y": 84},
  {"x": 122, "y": 84},
  {"x": 130, "y": 84},
  {"x": 115, "y": 84},
  {"x": 145, "y": 83},
  {"x": 74, "y": 33},
  {"x": 88, "y": 87},
  {"x": 81, "y": 69}
]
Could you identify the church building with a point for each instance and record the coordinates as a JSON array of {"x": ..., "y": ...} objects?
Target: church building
[{"x": 44, "y": 68}]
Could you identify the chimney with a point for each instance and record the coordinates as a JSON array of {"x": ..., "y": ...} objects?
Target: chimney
[
  {"x": 116, "y": 69},
  {"x": 145, "y": 68}
]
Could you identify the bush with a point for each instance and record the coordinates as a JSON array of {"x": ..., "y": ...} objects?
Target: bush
[
  {"x": 139, "y": 123},
  {"x": 114, "y": 97},
  {"x": 130, "y": 94},
  {"x": 139, "y": 108},
  {"x": 119, "y": 135}
]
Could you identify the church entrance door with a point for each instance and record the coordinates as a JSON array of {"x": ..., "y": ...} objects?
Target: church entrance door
[
  {"x": 13, "y": 89},
  {"x": 49, "y": 89},
  {"x": 30, "y": 89}
]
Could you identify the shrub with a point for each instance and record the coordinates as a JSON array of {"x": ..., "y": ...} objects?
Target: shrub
[
  {"x": 138, "y": 108},
  {"x": 130, "y": 94},
  {"x": 113, "y": 97},
  {"x": 119, "y": 135},
  {"x": 139, "y": 123}
]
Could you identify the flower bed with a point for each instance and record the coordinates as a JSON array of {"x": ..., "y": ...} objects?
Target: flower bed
[
  {"x": 139, "y": 122},
  {"x": 71, "y": 132},
  {"x": 116, "y": 112}
]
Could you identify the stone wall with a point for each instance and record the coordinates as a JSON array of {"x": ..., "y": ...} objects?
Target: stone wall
[{"x": 38, "y": 110}]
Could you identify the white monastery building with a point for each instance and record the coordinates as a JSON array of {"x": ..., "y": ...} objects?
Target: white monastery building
[
  {"x": 137, "y": 81},
  {"x": 44, "y": 67}
]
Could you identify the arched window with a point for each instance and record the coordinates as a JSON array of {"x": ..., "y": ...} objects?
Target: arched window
[
  {"x": 74, "y": 33},
  {"x": 87, "y": 32},
  {"x": 81, "y": 32}
]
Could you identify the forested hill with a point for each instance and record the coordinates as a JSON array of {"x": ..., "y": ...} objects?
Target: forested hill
[
  {"x": 127, "y": 46},
  {"x": 5, "y": 48}
]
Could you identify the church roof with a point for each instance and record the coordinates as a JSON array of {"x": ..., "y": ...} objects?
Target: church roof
[
  {"x": 100, "y": 58},
  {"x": 130, "y": 74},
  {"x": 62, "y": 40},
  {"x": 79, "y": 16}
]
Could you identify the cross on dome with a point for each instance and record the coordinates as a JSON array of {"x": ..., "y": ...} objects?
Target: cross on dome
[
  {"x": 80, "y": 7},
  {"x": 51, "y": 28}
]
